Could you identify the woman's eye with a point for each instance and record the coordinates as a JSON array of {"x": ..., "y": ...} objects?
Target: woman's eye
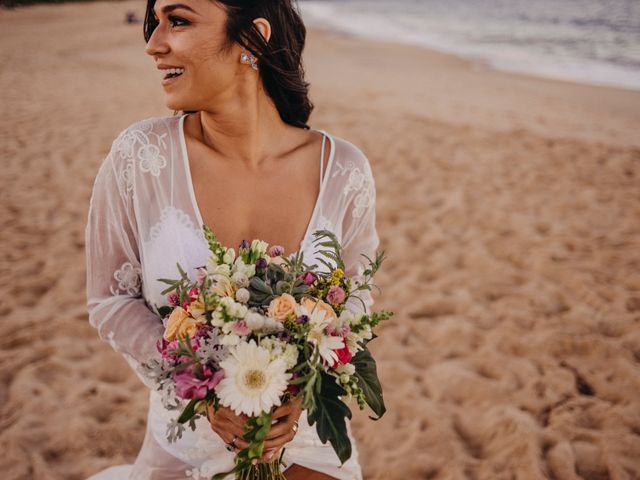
[{"x": 177, "y": 21}]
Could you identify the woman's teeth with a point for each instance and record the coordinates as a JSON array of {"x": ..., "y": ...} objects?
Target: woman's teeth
[{"x": 173, "y": 72}]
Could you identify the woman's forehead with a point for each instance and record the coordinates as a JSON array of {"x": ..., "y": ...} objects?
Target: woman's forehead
[{"x": 196, "y": 7}]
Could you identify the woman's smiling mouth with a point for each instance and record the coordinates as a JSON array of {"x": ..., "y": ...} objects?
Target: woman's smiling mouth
[{"x": 170, "y": 74}]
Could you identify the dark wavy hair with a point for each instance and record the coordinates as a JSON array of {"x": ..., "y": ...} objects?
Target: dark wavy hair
[{"x": 279, "y": 60}]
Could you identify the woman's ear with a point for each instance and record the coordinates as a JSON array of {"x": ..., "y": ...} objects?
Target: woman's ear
[{"x": 263, "y": 25}]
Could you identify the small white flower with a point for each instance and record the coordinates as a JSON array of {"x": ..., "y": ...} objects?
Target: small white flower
[
  {"x": 240, "y": 279},
  {"x": 231, "y": 339},
  {"x": 259, "y": 247},
  {"x": 253, "y": 383},
  {"x": 243, "y": 295},
  {"x": 346, "y": 369},
  {"x": 254, "y": 320},
  {"x": 229, "y": 256}
]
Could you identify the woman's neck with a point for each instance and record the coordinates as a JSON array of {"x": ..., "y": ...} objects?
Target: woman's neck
[{"x": 246, "y": 129}]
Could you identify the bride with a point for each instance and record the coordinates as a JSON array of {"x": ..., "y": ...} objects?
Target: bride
[{"x": 242, "y": 160}]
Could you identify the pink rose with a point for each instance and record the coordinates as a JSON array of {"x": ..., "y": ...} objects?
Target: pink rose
[
  {"x": 193, "y": 293},
  {"x": 336, "y": 295},
  {"x": 189, "y": 387}
]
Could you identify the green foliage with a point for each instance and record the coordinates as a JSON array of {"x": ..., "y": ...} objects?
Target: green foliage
[
  {"x": 330, "y": 413},
  {"x": 368, "y": 381},
  {"x": 333, "y": 251}
]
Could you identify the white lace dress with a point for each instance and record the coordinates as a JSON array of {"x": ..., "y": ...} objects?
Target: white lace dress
[{"x": 143, "y": 219}]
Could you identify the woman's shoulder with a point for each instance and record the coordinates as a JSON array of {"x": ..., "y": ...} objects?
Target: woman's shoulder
[
  {"x": 144, "y": 140},
  {"x": 351, "y": 163}
]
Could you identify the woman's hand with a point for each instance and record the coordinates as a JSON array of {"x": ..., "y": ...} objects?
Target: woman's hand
[
  {"x": 230, "y": 427},
  {"x": 283, "y": 430}
]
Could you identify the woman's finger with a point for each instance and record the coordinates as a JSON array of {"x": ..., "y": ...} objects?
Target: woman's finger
[
  {"x": 282, "y": 426},
  {"x": 276, "y": 443}
]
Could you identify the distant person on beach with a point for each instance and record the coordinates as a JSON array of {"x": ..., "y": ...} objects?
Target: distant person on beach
[
  {"x": 131, "y": 17},
  {"x": 241, "y": 158}
]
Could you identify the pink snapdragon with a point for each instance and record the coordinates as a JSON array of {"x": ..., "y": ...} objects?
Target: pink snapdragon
[
  {"x": 240, "y": 327},
  {"x": 189, "y": 386},
  {"x": 275, "y": 250},
  {"x": 173, "y": 299},
  {"x": 308, "y": 278},
  {"x": 193, "y": 293},
  {"x": 201, "y": 274}
]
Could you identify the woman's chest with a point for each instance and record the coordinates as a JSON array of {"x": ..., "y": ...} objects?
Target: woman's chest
[{"x": 275, "y": 203}]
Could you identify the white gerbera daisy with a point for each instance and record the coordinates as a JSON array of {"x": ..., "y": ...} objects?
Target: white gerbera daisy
[{"x": 253, "y": 382}]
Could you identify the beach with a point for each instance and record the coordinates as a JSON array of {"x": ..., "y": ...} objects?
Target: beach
[{"x": 508, "y": 206}]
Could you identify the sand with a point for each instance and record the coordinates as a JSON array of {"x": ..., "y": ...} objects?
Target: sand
[{"x": 509, "y": 207}]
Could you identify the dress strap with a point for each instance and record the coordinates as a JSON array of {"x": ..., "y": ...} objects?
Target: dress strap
[{"x": 324, "y": 137}]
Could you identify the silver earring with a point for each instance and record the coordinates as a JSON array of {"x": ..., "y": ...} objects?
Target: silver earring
[{"x": 250, "y": 59}]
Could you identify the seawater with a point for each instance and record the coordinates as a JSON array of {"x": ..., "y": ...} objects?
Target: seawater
[{"x": 588, "y": 41}]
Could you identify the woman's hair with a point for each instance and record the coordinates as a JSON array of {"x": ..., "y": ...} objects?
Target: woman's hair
[{"x": 279, "y": 60}]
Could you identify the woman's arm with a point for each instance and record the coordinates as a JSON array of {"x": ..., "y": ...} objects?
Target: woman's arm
[
  {"x": 360, "y": 234},
  {"x": 114, "y": 281}
]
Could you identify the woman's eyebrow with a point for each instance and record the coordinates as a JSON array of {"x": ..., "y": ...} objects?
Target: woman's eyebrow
[{"x": 170, "y": 8}]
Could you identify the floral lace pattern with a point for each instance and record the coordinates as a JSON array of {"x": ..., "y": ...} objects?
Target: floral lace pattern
[
  {"x": 140, "y": 143},
  {"x": 360, "y": 183},
  {"x": 180, "y": 217},
  {"x": 129, "y": 280}
]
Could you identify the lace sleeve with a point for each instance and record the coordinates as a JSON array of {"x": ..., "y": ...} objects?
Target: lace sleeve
[
  {"x": 114, "y": 280},
  {"x": 360, "y": 234}
]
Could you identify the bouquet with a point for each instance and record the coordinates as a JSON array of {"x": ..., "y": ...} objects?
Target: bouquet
[{"x": 256, "y": 329}]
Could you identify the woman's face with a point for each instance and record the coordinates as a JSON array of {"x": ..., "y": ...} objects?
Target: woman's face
[{"x": 190, "y": 37}]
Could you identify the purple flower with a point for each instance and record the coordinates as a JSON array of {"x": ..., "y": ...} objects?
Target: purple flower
[
  {"x": 261, "y": 263},
  {"x": 244, "y": 245},
  {"x": 189, "y": 387},
  {"x": 336, "y": 295},
  {"x": 284, "y": 336},
  {"x": 308, "y": 278},
  {"x": 302, "y": 319},
  {"x": 275, "y": 250}
]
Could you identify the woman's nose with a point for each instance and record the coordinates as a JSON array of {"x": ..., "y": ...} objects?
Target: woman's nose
[{"x": 157, "y": 44}]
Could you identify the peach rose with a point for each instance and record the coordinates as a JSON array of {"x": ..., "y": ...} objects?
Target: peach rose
[
  {"x": 190, "y": 326},
  {"x": 196, "y": 309},
  {"x": 180, "y": 323},
  {"x": 310, "y": 304},
  {"x": 281, "y": 307},
  {"x": 178, "y": 315}
]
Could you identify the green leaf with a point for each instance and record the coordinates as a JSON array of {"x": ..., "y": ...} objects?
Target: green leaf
[
  {"x": 368, "y": 381},
  {"x": 164, "y": 310},
  {"x": 330, "y": 414},
  {"x": 188, "y": 412}
]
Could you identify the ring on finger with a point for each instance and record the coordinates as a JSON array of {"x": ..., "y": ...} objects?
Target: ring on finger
[
  {"x": 231, "y": 446},
  {"x": 295, "y": 427}
]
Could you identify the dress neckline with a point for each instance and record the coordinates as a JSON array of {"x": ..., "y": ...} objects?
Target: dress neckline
[{"x": 192, "y": 193}]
